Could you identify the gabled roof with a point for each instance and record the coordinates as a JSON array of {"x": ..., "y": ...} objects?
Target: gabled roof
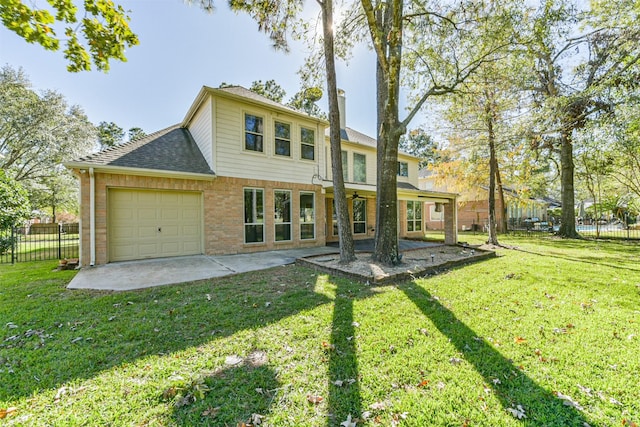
[
  {"x": 244, "y": 95},
  {"x": 171, "y": 149},
  {"x": 352, "y": 135}
]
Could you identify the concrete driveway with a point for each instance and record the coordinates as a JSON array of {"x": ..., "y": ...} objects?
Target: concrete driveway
[{"x": 130, "y": 275}]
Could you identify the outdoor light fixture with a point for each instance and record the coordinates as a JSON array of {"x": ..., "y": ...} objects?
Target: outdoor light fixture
[{"x": 432, "y": 257}]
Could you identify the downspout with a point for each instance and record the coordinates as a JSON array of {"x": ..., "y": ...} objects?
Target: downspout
[{"x": 92, "y": 217}]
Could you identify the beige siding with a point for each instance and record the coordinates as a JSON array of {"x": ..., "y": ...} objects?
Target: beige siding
[
  {"x": 233, "y": 160},
  {"x": 201, "y": 129},
  {"x": 351, "y": 149},
  {"x": 413, "y": 170}
]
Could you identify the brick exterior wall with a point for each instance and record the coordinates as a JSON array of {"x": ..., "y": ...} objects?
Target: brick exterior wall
[{"x": 223, "y": 211}]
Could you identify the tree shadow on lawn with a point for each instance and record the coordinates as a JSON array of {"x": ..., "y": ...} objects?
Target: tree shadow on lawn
[
  {"x": 344, "y": 381},
  {"x": 241, "y": 393},
  {"x": 68, "y": 336},
  {"x": 514, "y": 386}
]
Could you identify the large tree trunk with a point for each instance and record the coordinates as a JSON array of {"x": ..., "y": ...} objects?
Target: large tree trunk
[
  {"x": 568, "y": 218},
  {"x": 347, "y": 250},
  {"x": 493, "y": 170},
  {"x": 503, "y": 224}
]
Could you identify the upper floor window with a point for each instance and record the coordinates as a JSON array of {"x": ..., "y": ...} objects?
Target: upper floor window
[
  {"x": 283, "y": 139},
  {"x": 403, "y": 169},
  {"x": 345, "y": 166},
  {"x": 307, "y": 143},
  {"x": 359, "y": 167},
  {"x": 253, "y": 133}
]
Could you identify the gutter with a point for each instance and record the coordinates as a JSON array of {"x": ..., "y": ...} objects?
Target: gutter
[{"x": 92, "y": 217}]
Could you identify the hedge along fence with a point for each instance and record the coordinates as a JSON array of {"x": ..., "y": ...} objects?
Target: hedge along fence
[{"x": 39, "y": 242}]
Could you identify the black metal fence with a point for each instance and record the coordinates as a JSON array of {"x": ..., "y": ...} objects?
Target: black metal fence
[
  {"x": 614, "y": 230},
  {"x": 39, "y": 242}
]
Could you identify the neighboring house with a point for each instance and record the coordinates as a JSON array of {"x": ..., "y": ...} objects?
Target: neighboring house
[
  {"x": 239, "y": 174},
  {"x": 473, "y": 207}
]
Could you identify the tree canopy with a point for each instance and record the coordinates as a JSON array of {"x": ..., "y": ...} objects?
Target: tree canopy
[{"x": 95, "y": 35}]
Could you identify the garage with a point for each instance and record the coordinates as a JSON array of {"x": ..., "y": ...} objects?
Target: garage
[{"x": 153, "y": 224}]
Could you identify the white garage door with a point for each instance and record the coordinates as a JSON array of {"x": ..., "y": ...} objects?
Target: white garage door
[{"x": 153, "y": 224}]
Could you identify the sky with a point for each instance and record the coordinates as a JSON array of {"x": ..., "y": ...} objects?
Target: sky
[{"x": 181, "y": 49}]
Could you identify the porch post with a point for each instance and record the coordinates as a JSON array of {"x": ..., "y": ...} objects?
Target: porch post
[{"x": 451, "y": 222}]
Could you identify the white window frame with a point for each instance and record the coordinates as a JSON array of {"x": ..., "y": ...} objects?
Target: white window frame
[
  {"x": 364, "y": 157},
  {"x": 276, "y": 138},
  {"x": 415, "y": 220},
  {"x": 255, "y": 223},
  {"x": 277, "y": 222},
  {"x": 406, "y": 169},
  {"x": 245, "y": 132},
  {"x": 302, "y": 143},
  {"x": 345, "y": 165},
  {"x": 353, "y": 215},
  {"x": 302, "y": 216}
]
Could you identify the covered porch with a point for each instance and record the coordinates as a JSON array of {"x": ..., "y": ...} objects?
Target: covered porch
[{"x": 362, "y": 199}]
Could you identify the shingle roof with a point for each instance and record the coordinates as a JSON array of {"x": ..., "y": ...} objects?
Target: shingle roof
[
  {"x": 352, "y": 135},
  {"x": 246, "y": 93},
  {"x": 171, "y": 149}
]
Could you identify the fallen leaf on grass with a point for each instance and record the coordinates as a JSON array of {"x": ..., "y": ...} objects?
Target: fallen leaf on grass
[
  {"x": 628, "y": 423},
  {"x": 312, "y": 398},
  {"x": 328, "y": 346},
  {"x": 455, "y": 360},
  {"x": 423, "y": 383},
  {"x": 378, "y": 406},
  {"x": 568, "y": 401},
  {"x": 517, "y": 412},
  {"x": 348, "y": 422},
  {"x": 210, "y": 412},
  {"x": 395, "y": 420},
  {"x": 8, "y": 412},
  {"x": 520, "y": 340}
]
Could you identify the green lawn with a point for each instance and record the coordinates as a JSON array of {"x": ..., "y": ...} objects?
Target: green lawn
[{"x": 550, "y": 332}]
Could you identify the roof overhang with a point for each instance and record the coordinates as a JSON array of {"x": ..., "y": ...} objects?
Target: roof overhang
[
  {"x": 369, "y": 190},
  {"x": 207, "y": 91},
  {"x": 123, "y": 170}
]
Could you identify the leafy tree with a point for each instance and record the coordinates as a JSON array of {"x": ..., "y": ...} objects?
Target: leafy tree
[
  {"x": 55, "y": 193},
  {"x": 38, "y": 131},
  {"x": 269, "y": 89},
  {"x": 419, "y": 143},
  {"x": 444, "y": 45},
  {"x": 580, "y": 58},
  {"x": 14, "y": 203},
  {"x": 136, "y": 133},
  {"x": 109, "y": 134},
  {"x": 305, "y": 100},
  {"x": 95, "y": 35}
]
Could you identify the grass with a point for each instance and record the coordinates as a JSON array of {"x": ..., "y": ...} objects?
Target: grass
[{"x": 552, "y": 327}]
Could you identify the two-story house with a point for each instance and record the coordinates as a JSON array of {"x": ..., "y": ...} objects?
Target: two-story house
[{"x": 239, "y": 174}]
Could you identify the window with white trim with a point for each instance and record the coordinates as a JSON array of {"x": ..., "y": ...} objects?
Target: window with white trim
[
  {"x": 307, "y": 143},
  {"x": 282, "y": 214},
  {"x": 253, "y": 215},
  {"x": 307, "y": 216},
  {"x": 253, "y": 133},
  {"x": 414, "y": 215},
  {"x": 345, "y": 166},
  {"x": 359, "y": 167},
  {"x": 403, "y": 169},
  {"x": 359, "y": 216},
  {"x": 282, "y": 139}
]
